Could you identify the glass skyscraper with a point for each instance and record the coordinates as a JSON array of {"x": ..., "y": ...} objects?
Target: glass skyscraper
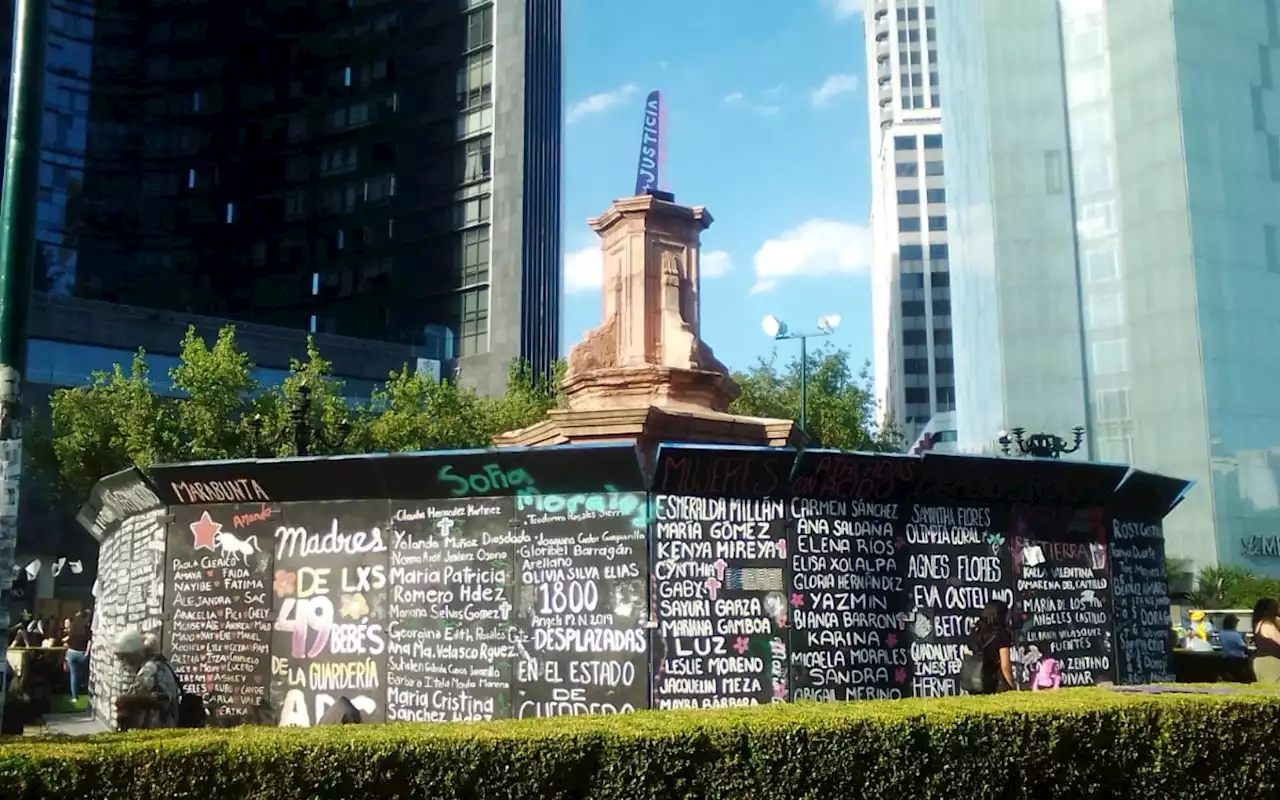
[
  {"x": 1114, "y": 178},
  {"x": 381, "y": 169},
  {"x": 911, "y": 301}
]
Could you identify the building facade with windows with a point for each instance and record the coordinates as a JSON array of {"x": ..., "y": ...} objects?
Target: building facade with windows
[
  {"x": 1115, "y": 192},
  {"x": 71, "y": 338},
  {"x": 911, "y": 301},
  {"x": 381, "y": 169}
]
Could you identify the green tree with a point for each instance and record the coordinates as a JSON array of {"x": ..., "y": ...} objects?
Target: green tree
[
  {"x": 92, "y": 430},
  {"x": 1231, "y": 587},
  {"x": 841, "y": 411},
  {"x": 212, "y": 407}
]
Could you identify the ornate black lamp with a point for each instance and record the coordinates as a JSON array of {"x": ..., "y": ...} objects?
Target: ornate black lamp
[{"x": 1040, "y": 445}]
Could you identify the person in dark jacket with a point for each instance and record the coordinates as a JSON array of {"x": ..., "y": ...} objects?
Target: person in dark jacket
[
  {"x": 992, "y": 638},
  {"x": 343, "y": 712}
]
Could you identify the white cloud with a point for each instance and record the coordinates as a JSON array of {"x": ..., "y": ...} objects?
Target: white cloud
[
  {"x": 843, "y": 9},
  {"x": 599, "y": 103},
  {"x": 715, "y": 263},
  {"x": 739, "y": 100},
  {"x": 814, "y": 248},
  {"x": 833, "y": 87},
  {"x": 584, "y": 268}
]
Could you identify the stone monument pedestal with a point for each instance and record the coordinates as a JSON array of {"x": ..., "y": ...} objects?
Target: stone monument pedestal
[{"x": 644, "y": 374}]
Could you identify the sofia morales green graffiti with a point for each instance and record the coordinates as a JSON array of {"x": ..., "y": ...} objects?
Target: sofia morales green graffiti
[
  {"x": 491, "y": 478},
  {"x": 609, "y": 501}
]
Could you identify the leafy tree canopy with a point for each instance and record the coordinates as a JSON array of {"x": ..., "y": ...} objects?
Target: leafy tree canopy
[
  {"x": 841, "y": 411},
  {"x": 1227, "y": 586},
  {"x": 211, "y": 406}
]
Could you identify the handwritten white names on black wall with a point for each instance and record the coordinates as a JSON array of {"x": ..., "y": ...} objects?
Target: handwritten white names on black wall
[
  {"x": 1140, "y": 594},
  {"x": 220, "y": 615},
  {"x": 1063, "y": 601},
  {"x": 956, "y": 564},
  {"x": 847, "y": 599},
  {"x": 450, "y": 637},
  {"x": 330, "y": 586},
  {"x": 584, "y": 647},
  {"x": 719, "y": 588}
]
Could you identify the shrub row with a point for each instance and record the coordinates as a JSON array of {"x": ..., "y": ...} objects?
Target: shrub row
[{"x": 1070, "y": 744}]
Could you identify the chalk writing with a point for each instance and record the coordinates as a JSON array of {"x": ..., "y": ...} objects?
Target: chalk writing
[
  {"x": 1063, "y": 593},
  {"x": 330, "y": 584},
  {"x": 451, "y": 637},
  {"x": 1140, "y": 593},
  {"x": 852, "y": 476},
  {"x": 220, "y": 611},
  {"x": 848, "y": 601},
  {"x": 710, "y": 473},
  {"x": 719, "y": 588},
  {"x": 234, "y": 490},
  {"x": 584, "y": 647},
  {"x": 610, "y": 502},
  {"x": 490, "y": 479},
  {"x": 956, "y": 564},
  {"x": 136, "y": 498}
]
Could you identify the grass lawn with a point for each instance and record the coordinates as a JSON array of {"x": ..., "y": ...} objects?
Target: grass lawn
[{"x": 61, "y": 704}]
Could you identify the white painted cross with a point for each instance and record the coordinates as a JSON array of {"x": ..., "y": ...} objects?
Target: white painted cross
[{"x": 445, "y": 526}]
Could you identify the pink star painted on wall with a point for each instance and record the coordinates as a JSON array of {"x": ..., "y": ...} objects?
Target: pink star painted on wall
[
  {"x": 900, "y": 675},
  {"x": 205, "y": 532},
  {"x": 797, "y": 600},
  {"x": 900, "y": 543},
  {"x": 741, "y": 644},
  {"x": 891, "y": 640}
]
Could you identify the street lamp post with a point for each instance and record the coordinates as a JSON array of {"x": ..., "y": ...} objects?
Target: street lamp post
[
  {"x": 18, "y": 210},
  {"x": 302, "y": 433},
  {"x": 776, "y": 329},
  {"x": 1040, "y": 445}
]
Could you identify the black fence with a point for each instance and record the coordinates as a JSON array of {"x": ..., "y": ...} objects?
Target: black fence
[{"x": 551, "y": 581}]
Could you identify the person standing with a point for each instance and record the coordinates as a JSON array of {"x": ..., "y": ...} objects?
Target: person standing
[
  {"x": 78, "y": 636},
  {"x": 151, "y": 700},
  {"x": 1266, "y": 641},
  {"x": 991, "y": 641}
]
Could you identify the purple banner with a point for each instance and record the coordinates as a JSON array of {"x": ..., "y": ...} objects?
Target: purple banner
[{"x": 650, "y": 144}]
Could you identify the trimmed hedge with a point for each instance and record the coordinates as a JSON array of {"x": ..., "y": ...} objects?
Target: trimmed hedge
[{"x": 1076, "y": 743}]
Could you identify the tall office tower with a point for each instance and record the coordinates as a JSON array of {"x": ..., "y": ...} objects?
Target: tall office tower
[
  {"x": 1114, "y": 172},
  {"x": 911, "y": 305},
  {"x": 382, "y": 169}
]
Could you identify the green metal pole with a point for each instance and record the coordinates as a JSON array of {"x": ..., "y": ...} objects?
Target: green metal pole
[
  {"x": 18, "y": 210},
  {"x": 804, "y": 381}
]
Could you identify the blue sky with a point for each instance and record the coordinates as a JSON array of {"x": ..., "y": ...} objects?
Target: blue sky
[{"x": 766, "y": 121}]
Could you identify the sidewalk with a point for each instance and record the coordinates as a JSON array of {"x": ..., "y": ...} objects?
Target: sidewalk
[{"x": 79, "y": 724}]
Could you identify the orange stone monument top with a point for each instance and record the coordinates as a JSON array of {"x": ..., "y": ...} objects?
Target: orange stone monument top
[{"x": 644, "y": 373}]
